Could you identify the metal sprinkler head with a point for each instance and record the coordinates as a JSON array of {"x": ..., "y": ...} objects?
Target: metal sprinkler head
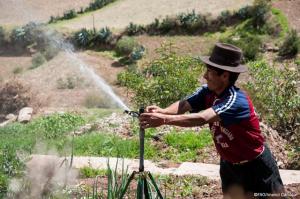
[{"x": 135, "y": 113}]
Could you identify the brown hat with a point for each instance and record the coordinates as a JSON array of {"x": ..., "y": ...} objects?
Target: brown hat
[{"x": 226, "y": 57}]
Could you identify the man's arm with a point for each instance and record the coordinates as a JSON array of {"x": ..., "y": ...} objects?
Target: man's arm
[
  {"x": 176, "y": 108},
  {"x": 148, "y": 120}
]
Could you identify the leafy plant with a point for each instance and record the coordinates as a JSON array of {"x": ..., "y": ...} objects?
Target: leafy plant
[
  {"x": 37, "y": 60},
  {"x": 134, "y": 29},
  {"x": 17, "y": 70},
  {"x": 83, "y": 37},
  {"x": 104, "y": 35},
  {"x": 2, "y": 36},
  {"x": 260, "y": 13},
  {"x": 125, "y": 46},
  {"x": 167, "y": 79},
  {"x": 291, "y": 45},
  {"x": 274, "y": 92},
  {"x": 70, "y": 14}
]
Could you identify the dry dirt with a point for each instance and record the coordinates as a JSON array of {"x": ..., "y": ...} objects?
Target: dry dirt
[
  {"x": 120, "y": 14},
  {"x": 291, "y": 9},
  {"x": 19, "y": 12}
]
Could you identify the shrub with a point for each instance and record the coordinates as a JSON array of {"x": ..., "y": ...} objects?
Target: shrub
[
  {"x": 17, "y": 70},
  {"x": 133, "y": 29},
  {"x": 70, "y": 14},
  {"x": 274, "y": 93},
  {"x": 94, "y": 100},
  {"x": 37, "y": 60},
  {"x": 13, "y": 97},
  {"x": 104, "y": 36},
  {"x": 250, "y": 44},
  {"x": 165, "y": 80},
  {"x": 68, "y": 83},
  {"x": 17, "y": 37},
  {"x": 50, "y": 51},
  {"x": 2, "y": 36},
  {"x": 83, "y": 37},
  {"x": 125, "y": 46},
  {"x": 168, "y": 24},
  {"x": 291, "y": 45},
  {"x": 260, "y": 13}
]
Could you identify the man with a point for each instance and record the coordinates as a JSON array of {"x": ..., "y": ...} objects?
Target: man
[{"x": 247, "y": 166}]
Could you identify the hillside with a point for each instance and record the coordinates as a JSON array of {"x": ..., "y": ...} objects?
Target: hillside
[{"x": 121, "y": 13}]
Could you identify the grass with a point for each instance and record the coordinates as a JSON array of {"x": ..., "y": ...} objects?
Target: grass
[{"x": 282, "y": 20}]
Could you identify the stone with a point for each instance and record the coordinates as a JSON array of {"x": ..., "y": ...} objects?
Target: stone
[{"x": 25, "y": 114}]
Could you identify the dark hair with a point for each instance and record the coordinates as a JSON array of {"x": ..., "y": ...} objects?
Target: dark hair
[{"x": 232, "y": 76}]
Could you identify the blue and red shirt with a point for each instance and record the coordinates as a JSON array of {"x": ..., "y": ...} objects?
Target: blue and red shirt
[{"x": 237, "y": 136}]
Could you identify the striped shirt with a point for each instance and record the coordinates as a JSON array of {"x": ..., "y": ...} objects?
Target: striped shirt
[{"x": 237, "y": 136}]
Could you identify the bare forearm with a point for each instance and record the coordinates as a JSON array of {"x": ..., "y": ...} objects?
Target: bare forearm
[
  {"x": 178, "y": 107},
  {"x": 185, "y": 120}
]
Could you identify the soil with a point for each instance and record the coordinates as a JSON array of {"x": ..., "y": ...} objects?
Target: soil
[
  {"x": 118, "y": 15},
  {"x": 291, "y": 10},
  {"x": 20, "y": 12}
]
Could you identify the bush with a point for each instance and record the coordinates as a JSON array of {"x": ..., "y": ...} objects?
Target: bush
[
  {"x": 83, "y": 37},
  {"x": 2, "y": 36},
  {"x": 165, "y": 80},
  {"x": 125, "y": 46},
  {"x": 104, "y": 36},
  {"x": 13, "y": 97},
  {"x": 260, "y": 13},
  {"x": 94, "y": 100},
  {"x": 17, "y": 70},
  {"x": 37, "y": 60},
  {"x": 50, "y": 51},
  {"x": 291, "y": 45},
  {"x": 274, "y": 93},
  {"x": 68, "y": 83},
  {"x": 133, "y": 29},
  {"x": 70, "y": 14},
  {"x": 250, "y": 44}
]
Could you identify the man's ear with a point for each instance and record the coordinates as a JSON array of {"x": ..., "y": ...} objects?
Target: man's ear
[{"x": 225, "y": 75}]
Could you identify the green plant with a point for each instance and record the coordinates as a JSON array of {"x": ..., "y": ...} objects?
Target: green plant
[
  {"x": 50, "y": 51},
  {"x": 94, "y": 100},
  {"x": 249, "y": 43},
  {"x": 88, "y": 172},
  {"x": 69, "y": 14},
  {"x": 125, "y": 46},
  {"x": 18, "y": 70},
  {"x": 291, "y": 45},
  {"x": 37, "y": 60},
  {"x": 104, "y": 35},
  {"x": 2, "y": 36},
  {"x": 260, "y": 13},
  {"x": 83, "y": 37},
  {"x": 134, "y": 29},
  {"x": 167, "y": 79},
  {"x": 282, "y": 20},
  {"x": 275, "y": 95}
]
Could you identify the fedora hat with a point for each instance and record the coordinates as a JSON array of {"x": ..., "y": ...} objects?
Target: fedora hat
[{"x": 227, "y": 57}]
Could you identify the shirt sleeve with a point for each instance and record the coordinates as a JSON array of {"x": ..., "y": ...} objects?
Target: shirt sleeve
[
  {"x": 197, "y": 99},
  {"x": 234, "y": 108}
]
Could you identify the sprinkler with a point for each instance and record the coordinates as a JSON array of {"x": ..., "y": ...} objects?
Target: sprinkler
[{"x": 145, "y": 178}]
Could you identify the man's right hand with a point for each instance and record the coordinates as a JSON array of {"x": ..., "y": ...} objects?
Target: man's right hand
[{"x": 154, "y": 109}]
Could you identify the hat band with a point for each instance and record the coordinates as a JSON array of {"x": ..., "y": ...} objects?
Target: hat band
[{"x": 221, "y": 61}]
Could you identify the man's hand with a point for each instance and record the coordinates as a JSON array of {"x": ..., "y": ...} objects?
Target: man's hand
[
  {"x": 154, "y": 109},
  {"x": 149, "y": 120}
]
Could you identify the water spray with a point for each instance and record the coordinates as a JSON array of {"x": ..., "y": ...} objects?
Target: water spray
[{"x": 145, "y": 178}]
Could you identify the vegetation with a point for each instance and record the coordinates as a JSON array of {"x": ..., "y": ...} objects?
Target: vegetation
[
  {"x": 151, "y": 86},
  {"x": 274, "y": 92},
  {"x": 2, "y": 36},
  {"x": 291, "y": 45},
  {"x": 282, "y": 20},
  {"x": 70, "y": 14},
  {"x": 37, "y": 60}
]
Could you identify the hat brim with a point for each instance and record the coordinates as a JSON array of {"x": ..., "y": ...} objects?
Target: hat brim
[{"x": 236, "y": 69}]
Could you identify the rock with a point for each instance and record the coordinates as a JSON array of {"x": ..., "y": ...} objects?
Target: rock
[
  {"x": 11, "y": 117},
  {"x": 25, "y": 114}
]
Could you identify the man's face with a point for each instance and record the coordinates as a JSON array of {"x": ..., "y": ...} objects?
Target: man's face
[{"x": 215, "y": 82}]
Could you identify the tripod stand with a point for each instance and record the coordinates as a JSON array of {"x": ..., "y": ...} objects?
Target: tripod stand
[{"x": 145, "y": 178}]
